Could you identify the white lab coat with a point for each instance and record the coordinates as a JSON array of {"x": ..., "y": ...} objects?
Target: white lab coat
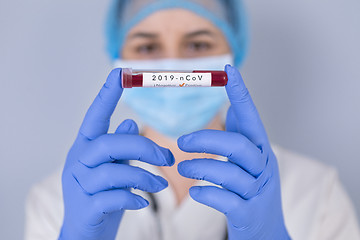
[{"x": 315, "y": 207}]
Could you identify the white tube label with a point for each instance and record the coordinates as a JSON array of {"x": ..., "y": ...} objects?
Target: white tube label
[{"x": 168, "y": 79}]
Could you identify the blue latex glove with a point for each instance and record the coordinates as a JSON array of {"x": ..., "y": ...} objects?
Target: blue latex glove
[
  {"x": 96, "y": 177},
  {"x": 250, "y": 194}
]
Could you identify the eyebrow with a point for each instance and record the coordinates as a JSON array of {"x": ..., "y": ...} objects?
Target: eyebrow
[
  {"x": 144, "y": 35},
  {"x": 188, "y": 35},
  {"x": 199, "y": 33}
]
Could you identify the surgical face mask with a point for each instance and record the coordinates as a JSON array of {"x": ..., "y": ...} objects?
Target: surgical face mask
[{"x": 176, "y": 111}]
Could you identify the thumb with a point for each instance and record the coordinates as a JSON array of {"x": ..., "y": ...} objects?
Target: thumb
[
  {"x": 97, "y": 118},
  {"x": 128, "y": 126},
  {"x": 247, "y": 117}
]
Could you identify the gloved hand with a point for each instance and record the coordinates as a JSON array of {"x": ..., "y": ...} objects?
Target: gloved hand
[
  {"x": 250, "y": 194},
  {"x": 96, "y": 177}
]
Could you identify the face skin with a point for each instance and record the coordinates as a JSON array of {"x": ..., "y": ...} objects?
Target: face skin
[{"x": 174, "y": 33}]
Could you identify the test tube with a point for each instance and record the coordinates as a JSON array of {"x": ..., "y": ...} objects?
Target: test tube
[{"x": 178, "y": 78}]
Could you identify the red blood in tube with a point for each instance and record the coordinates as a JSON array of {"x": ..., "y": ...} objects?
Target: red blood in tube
[
  {"x": 130, "y": 79},
  {"x": 137, "y": 80}
]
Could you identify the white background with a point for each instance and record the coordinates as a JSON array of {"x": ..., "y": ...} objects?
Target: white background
[{"x": 302, "y": 70}]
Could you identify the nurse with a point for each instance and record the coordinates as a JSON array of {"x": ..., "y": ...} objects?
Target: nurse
[{"x": 144, "y": 184}]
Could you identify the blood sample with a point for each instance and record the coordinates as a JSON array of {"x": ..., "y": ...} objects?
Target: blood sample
[{"x": 158, "y": 78}]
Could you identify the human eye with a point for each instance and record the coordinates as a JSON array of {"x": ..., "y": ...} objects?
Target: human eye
[
  {"x": 198, "y": 46},
  {"x": 147, "y": 49}
]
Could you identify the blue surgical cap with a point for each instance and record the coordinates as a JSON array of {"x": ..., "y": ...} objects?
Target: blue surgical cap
[{"x": 227, "y": 15}]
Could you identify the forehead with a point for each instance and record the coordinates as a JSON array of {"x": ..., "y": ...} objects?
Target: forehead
[{"x": 173, "y": 20}]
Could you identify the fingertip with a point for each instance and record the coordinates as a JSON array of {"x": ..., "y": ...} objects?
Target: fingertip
[
  {"x": 180, "y": 141},
  {"x": 183, "y": 140},
  {"x": 172, "y": 160},
  {"x": 180, "y": 168},
  {"x": 142, "y": 202},
  {"x": 228, "y": 68},
  {"x": 236, "y": 89},
  {"x": 167, "y": 155},
  {"x": 114, "y": 77},
  {"x": 133, "y": 128},
  {"x": 235, "y": 78},
  {"x": 123, "y": 127},
  {"x": 162, "y": 182},
  {"x": 194, "y": 191},
  {"x": 128, "y": 126},
  {"x": 97, "y": 118},
  {"x": 116, "y": 70}
]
